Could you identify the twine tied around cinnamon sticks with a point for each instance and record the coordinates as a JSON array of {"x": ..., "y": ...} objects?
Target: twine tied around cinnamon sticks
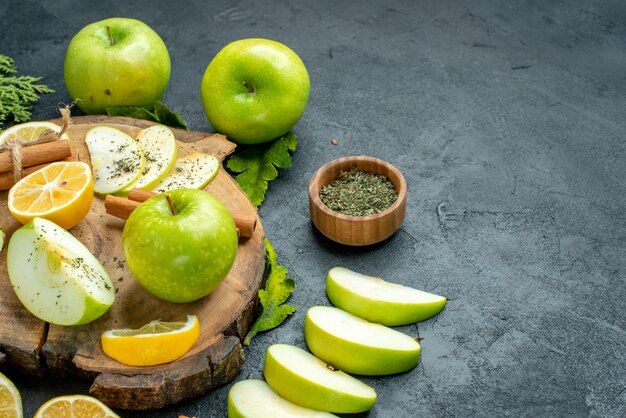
[{"x": 15, "y": 145}]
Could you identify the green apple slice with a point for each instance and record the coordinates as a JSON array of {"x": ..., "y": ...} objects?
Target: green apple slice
[
  {"x": 380, "y": 301},
  {"x": 55, "y": 276},
  {"x": 355, "y": 345},
  {"x": 254, "y": 398},
  {"x": 158, "y": 144},
  {"x": 193, "y": 171},
  {"x": 305, "y": 380},
  {"x": 117, "y": 160},
  {"x": 2, "y": 237}
]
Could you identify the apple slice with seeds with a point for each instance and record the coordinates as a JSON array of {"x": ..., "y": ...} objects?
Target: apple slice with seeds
[
  {"x": 55, "y": 276},
  {"x": 380, "y": 301},
  {"x": 193, "y": 171},
  {"x": 355, "y": 345},
  {"x": 159, "y": 148},
  {"x": 253, "y": 398},
  {"x": 117, "y": 160},
  {"x": 305, "y": 380}
]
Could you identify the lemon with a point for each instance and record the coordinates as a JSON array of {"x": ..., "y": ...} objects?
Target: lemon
[
  {"x": 29, "y": 131},
  {"x": 61, "y": 192},
  {"x": 74, "y": 406},
  {"x": 10, "y": 400},
  {"x": 155, "y": 343}
]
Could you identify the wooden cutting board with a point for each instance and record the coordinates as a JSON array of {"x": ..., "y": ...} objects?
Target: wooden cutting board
[{"x": 35, "y": 347}]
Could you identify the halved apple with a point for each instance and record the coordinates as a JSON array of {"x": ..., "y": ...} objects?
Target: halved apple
[
  {"x": 117, "y": 160},
  {"x": 55, "y": 276},
  {"x": 158, "y": 144},
  {"x": 380, "y": 301},
  {"x": 305, "y": 380},
  {"x": 254, "y": 398},
  {"x": 193, "y": 171},
  {"x": 355, "y": 345}
]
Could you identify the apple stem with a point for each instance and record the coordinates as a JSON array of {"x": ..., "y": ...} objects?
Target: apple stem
[
  {"x": 419, "y": 339},
  {"x": 248, "y": 87},
  {"x": 169, "y": 202},
  {"x": 111, "y": 40}
]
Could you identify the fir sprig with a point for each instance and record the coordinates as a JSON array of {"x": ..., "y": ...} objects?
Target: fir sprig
[{"x": 18, "y": 94}]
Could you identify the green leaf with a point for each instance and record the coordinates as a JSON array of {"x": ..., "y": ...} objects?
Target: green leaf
[
  {"x": 257, "y": 165},
  {"x": 278, "y": 287},
  {"x": 161, "y": 114}
]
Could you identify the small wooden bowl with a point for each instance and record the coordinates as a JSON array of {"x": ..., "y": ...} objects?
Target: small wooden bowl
[{"x": 356, "y": 230}]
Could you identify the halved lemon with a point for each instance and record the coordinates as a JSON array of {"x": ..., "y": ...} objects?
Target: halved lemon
[
  {"x": 74, "y": 406},
  {"x": 10, "y": 400},
  {"x": 155, "y": 343},
  {"x": 29, "y": 131},
  {"x": 61, "y": 192}
]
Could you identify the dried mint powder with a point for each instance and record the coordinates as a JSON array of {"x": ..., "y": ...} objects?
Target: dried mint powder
[{"x": 359, "y": 193}]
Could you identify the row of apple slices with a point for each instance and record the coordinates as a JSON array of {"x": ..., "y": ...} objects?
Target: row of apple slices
[
  {"x": 300, "y": 384},
  {"x": 120, "y": 162}
]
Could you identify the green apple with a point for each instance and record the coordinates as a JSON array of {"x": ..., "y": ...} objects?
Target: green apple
[
  {"x": 117, "y": 160},
  {"x": 55, "y": 276},
  {"x": 253, "y": 398},
  {"x": 255, "y": 90},
  {"x": 355, "y": 345},
  {"x": 304, "y": 379},
  {"x": 380, "y": 301},
  {"x": 116, "y": 62},
  {"x": 180, "y": 245},
  {"x": 193, "y": 171},
  {"x": 158, "y": 144}
]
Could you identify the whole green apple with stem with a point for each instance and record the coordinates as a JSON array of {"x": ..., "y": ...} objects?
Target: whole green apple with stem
[
  {"x": 255, "y": 90},
  {"x": 180, "y": 245},
  {"x": 116, "y": 62},
  {"x": 355, "y": 345}
]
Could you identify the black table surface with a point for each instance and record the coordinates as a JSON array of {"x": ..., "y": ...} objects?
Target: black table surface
[{"x": 508, "y": 120}]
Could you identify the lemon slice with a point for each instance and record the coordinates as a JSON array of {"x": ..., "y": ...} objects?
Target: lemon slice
[
  {"x": 10, "y": 400},
  {"x": 193, "y": 171},
  {"x": 61, "y": 192},
  {"x": 159, "y": 148},
  {"x": 117, "y": 160},
  {"x": 29, "y": 131},
  {"x": 155, "y": 343},
  {"x": 74, "y": 406}
]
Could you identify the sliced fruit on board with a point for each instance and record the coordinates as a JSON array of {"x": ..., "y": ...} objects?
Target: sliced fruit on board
[
  {"x": 355, "y": 345},
  {"x": 74, "y": 406},
  {"x": 253, "y": 398},
  {"x": 117, "y": 160},
  {"x": 303, "y": 379},
  {"x": 157, "y": 342},
  {"x": 2, "y": 237},
  {"x": 380, "y": 301},
  {"x": 61, "y": 192},
  {"x": 29, "y": 131},
  {"x": 10, "y": 400},
  {"x": 159, "y": 148},
  {"x": 55, "y": 276},
  {"x": 191, "y": 172}
]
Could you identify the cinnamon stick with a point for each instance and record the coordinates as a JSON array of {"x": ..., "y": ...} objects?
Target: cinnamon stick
[
  {"x": 121, "y": 207},
  {"x": 7, "y": 179},
  {"x": 37, "y": 154}
]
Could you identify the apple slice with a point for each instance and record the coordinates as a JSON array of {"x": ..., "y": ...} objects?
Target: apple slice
[
  {"x": 305, "y": 380},
  {"x": 355, "y": 345},
  {"x": 117, "y": 160},
  {"x": 379, "y": 301},
  {"x": 254, "y": 398},
  {"x": 2, "y": 236},
  {"x": 193, "y": 171},
  {"x": 159, "y": 148},
  {"x": 55, "y": 276}
]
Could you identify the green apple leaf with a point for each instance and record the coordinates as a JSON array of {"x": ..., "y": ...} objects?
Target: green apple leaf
[
  {"x": 278, "y": 287},
  {"x": 18, "y": 94},
  {"x": 161, "y": 114},
  {"x": 257, "y": 165}
]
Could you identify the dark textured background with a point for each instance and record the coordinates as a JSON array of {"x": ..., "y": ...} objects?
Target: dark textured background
[{"x": 508, "y": 120}]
